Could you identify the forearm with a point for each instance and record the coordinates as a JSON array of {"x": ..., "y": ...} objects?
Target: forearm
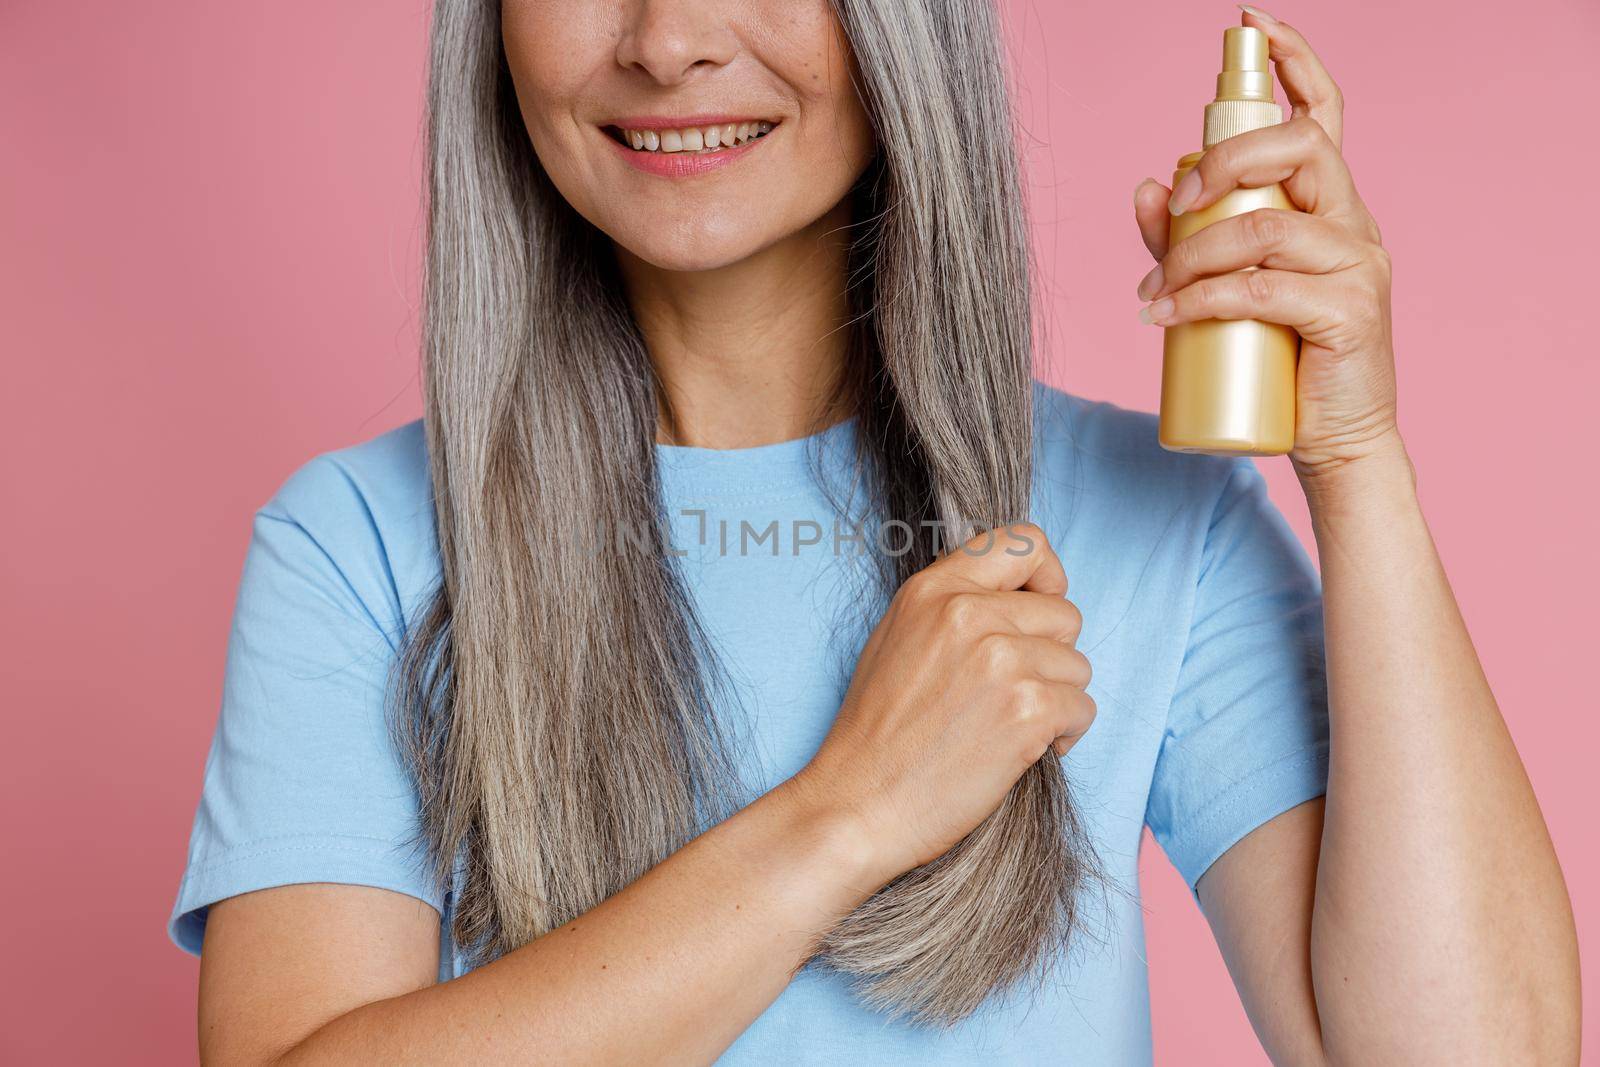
[
  {"x": 673, "y": 968},
  {"x": 1441, "y": 930}
]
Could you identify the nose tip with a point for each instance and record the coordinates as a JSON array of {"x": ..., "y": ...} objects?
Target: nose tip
[{"x": 669, "y": 41}]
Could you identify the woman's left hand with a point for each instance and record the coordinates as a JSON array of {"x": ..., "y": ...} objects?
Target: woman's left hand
[{"x": 1322, "y": 270}]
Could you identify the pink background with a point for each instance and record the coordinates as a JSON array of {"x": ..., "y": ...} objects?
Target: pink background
[{"x": 209, "y": 238}]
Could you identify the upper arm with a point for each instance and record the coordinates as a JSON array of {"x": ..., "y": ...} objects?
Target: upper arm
[
  {"x": 1258, "y": 897},
  {"x": 279, "y": 963},
  {"x": 306, "y": 891},
  {"x": 1246, "y": 735}
]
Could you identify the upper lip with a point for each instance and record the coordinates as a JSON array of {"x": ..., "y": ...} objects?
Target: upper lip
[{"x": 678, "y": 122}]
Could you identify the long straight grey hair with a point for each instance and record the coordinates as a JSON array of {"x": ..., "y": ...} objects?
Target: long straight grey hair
[{"x": 558, "y": 705}]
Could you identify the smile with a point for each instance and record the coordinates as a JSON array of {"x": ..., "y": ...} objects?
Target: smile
[
  {"x": 687, "y": 147},
  {"x": 716, "y": 137}
]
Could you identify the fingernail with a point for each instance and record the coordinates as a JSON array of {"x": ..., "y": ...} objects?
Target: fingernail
[
  {"x": 1137, "y": 188},
  {"x": 1156, "y": 314},
  {"x": 1184, "y": 192},
  {"x": 1150, "y": 284},
  {"x": 1257, "y": 12}
]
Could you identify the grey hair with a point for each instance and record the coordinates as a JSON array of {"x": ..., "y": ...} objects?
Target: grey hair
[{"x": 557, "y": 705}]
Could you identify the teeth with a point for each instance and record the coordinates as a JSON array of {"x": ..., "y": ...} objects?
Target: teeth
[{"x": 696, "y": 138}]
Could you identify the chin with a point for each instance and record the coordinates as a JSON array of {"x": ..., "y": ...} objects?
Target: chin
[{"x": 690, "y": 246}]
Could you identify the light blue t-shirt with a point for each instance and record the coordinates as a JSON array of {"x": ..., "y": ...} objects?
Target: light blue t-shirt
[{"x": 1202, "y": 620}]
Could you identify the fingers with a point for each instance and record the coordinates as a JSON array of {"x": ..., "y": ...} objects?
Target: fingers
[
  {"x": 1043, "y": 615},
  {"x": 1266, "y": 237},
  {"x": 1306, "y": 82},
  {"x": 1150, "y": 211},
  {"x": 1014, "y": 556},
  {"x": 1297, "y": 153},
  {"x": 1312, "y": 304},
  {"x": 1051, "y": 661},
  {"x": 1061, "y": 701}
]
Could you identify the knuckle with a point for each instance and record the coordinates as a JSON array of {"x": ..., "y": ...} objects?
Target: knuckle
[
  {"x": 914, "y": 588},
  {"x": 1196, "y": 300},
  {"x": 920, "y": 592},
  {"x": 1073, "y": 620},
  {"x": 960, "y": 612},
  {"x": 1308, "y": 130},
  {"x": 996, "y": 654},
  {"x": 1080, "y": 716},
  {"x": 1088, "y": 669},
  {"x": 1027, "y": 699},
  {"x": 1260, "y": 286},
  {"x": 1266, "y": 227},
  {"x": 1382, "y": 262},
  {"x": 1218, "y": 161},
  {"x": 1183, "y": 259},
  {"x": 1374, "y": 287}
]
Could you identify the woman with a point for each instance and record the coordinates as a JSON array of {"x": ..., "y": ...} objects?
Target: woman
[{"x": 551, "y": 693}]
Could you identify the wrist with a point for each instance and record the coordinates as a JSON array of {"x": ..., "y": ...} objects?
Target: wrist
[
  {"x": 842, "y": 837},
  {"x": 1378, "y": 474}
]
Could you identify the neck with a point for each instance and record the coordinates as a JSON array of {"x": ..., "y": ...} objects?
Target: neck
[{"x": 751, "y": 353}]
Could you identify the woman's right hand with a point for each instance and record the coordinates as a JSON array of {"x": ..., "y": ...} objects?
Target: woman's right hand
[{"x": 971, "y": 675}]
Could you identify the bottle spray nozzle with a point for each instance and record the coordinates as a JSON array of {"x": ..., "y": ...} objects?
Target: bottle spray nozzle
[
  {"x": 1244, "y": 88},
  {"x": 1245, "y": 73}
]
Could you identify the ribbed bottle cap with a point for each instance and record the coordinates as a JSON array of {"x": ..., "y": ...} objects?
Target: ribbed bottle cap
[{"x": 1226, "y": 118}]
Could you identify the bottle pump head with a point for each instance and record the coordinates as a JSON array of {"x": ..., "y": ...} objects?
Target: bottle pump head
[{"x": 1244, "y": 88}]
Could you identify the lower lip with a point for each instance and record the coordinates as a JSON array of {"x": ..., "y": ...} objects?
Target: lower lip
[{"x": 684, "y": 164}]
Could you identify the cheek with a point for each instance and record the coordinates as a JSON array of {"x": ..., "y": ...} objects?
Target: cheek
[
  {"x": 550, "y": 57},
  {"x": 834, "y": 140},
  {"x": 840, "y": 131},
  {"x": 852, "y": 131}
]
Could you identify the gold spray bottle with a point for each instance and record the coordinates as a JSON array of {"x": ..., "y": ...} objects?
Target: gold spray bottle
[{"x": 1227, "y": 385}]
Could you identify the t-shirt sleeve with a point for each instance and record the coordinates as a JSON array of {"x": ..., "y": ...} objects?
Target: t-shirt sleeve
[
  {"x": 1247, "y": 730},
  {"x": 302, "y": 782}
]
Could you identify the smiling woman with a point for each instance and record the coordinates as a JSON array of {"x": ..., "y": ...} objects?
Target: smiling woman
[
  {"x": 684, "y": 239},
  {"x": 536, "y": 746}
]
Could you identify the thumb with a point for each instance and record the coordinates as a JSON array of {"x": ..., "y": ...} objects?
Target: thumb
[
  {"x": 1150, "y": 210},
  {"x": 1014, "y": 556}
]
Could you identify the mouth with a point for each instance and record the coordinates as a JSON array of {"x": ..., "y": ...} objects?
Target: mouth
[{"x": 719, "y": 134}]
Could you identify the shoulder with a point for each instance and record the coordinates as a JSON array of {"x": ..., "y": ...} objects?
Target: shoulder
[
  {"x": 382, "y": 477},
  {"x": 1098, "y": 457},
  {"x": 367, "y": 508}
]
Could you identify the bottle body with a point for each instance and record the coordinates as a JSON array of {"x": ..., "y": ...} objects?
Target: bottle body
[{"x": 1228, "y": 385}]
